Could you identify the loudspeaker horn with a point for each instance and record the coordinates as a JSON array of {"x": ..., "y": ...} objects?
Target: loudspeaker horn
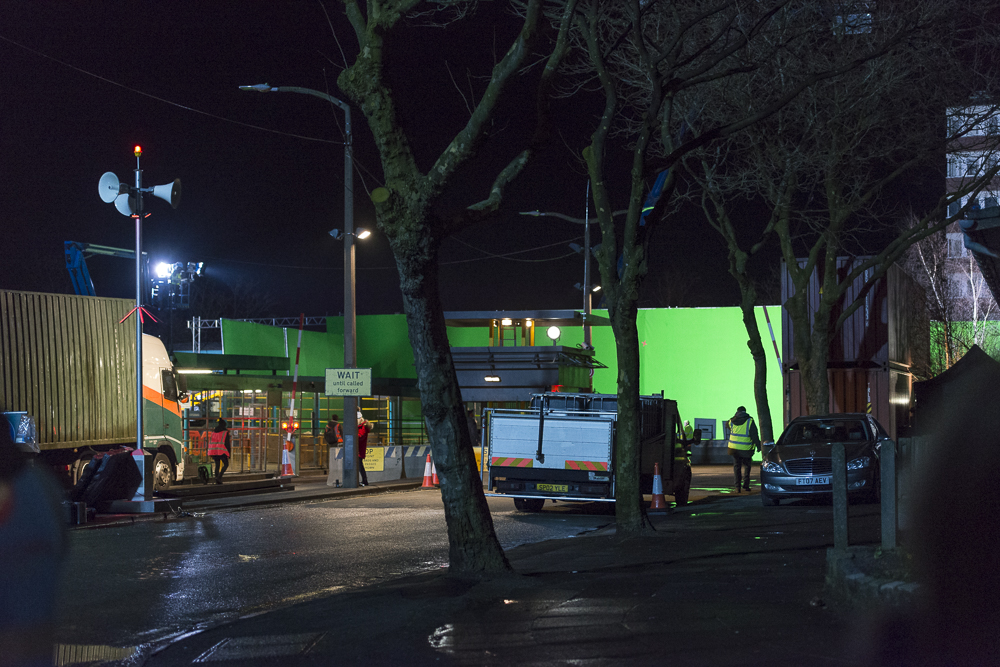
[
  {"x": 125, "y": 205},
  {"x": 169, "y": 192},
  {"x": 109, "y": 187}
]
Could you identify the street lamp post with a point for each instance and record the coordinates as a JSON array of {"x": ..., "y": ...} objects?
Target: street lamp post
[
  {"x": 350, "y": 423},
  {"x": 587, "y": 289}
]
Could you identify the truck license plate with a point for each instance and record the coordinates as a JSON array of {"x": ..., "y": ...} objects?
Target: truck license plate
[
  {"x": 809, "y": 481},
  {"x": 554, "y": 488}
]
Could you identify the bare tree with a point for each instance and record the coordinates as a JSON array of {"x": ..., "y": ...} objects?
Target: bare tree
[
  {"x": 409, "y": 211},
  {"x": 825, "y": 162},
  {"x": 650, "y": 61}
]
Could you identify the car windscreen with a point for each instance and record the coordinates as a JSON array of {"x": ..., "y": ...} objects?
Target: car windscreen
[{"x": 827, "y": 430}]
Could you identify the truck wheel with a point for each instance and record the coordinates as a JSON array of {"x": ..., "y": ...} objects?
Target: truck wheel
[
  {"x": 768, "y": 501},
  {"x": 78, "y": 467},
  {"x": 529, "y": 504},
  {"x": 163, "y": 472}
]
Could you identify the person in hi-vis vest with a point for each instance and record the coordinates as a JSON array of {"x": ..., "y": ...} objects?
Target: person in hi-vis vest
[
  {"x": 219, "y": 448},
  {"x": 743, "y": 440}
]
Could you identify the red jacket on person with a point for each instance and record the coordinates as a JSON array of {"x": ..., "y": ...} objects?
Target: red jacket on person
[{"x": 362, "y": 439}]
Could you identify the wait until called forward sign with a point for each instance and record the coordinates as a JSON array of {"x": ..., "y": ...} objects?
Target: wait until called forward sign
[{"x": 348, "y": 382}]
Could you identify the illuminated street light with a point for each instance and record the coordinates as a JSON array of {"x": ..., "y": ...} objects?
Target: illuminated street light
[{"x": 362, "y": 233}]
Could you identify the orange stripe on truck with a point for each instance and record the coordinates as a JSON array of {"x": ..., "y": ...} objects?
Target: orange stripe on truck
[
  {"x": 156, "y": 398},
  {"x": 587, "y": 465},
  {"x": 511, "y": 462}
]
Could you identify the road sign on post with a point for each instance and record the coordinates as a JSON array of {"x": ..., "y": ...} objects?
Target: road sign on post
[
  {"x": 351, "y": 383},
  {"x": 348, "y": 382}
]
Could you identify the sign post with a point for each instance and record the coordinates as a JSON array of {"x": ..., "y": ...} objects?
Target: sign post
[{"x": 351, "y": 383}]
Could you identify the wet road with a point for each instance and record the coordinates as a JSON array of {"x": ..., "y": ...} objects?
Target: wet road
[{"x": 150, "y": 581}]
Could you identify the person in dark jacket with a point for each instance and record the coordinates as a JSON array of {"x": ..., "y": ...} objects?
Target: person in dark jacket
[
  {"x": 743, "y": 440},
  {"x": 470, "y": 420},
  {"x": 219, "y": 448},
  {"x": 33, "y": 544},
  {"x": 333, "y": 436}
]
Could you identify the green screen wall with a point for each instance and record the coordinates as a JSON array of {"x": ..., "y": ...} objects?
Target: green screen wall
[{"x": 696, "y": 356}]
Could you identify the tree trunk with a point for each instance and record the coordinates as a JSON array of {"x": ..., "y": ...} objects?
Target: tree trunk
[
  {"x": 473, "y": 546},
  {"x": 629, "y": 515},
  {"x": 812, "y": 344},
  {"x": 756, "y": 346},
  {"x": 815, "y": 380}
]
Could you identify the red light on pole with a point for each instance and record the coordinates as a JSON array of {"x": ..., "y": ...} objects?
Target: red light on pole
[{"x": 138, "y": 150}]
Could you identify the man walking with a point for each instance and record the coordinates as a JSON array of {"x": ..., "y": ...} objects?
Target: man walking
[{"x": 743, "y": 440}]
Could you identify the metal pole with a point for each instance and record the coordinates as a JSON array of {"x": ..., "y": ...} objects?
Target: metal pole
[
  {"x": 350, "y": 420},
  {"x": 145, "y": 492},
  {"x": 586, "y": 273},
  {"x": 350, "y": 311}
]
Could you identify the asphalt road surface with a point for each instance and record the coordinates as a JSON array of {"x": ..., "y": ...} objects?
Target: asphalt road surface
[{"x": 147, "y": 582}]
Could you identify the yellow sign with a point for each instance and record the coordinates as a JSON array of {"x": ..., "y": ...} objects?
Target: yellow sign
[
  {"x": 375, "y": 459},
  {"x": 348, "y": 382}
]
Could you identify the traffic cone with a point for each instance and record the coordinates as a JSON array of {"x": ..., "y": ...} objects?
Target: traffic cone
[
  {"x": 434, "y": 475},
  {"x": 428, "y": 482},
  {"x": 659, "y": 502}
]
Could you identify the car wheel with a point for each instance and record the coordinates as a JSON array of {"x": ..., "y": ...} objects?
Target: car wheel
[
  {"x": 163, "y": 472},
  {"x": 529, "y": 504},
  {"x": 769, "y": 501}
]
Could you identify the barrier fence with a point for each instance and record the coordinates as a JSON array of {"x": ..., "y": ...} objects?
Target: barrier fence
[{"x": 256, "y": 436}]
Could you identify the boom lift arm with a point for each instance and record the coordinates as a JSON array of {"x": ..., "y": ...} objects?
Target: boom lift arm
[{"x": 76, "y": 263}]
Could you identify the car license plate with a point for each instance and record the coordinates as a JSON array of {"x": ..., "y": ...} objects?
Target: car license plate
[
  {"x": 812, "y": 481},
  {"x": 554, "y": 488}
]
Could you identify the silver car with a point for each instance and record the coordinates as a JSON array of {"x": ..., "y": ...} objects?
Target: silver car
[{"x": 800, "y": 465}]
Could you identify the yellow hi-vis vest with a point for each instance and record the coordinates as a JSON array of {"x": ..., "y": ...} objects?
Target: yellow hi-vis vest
[{"x": 739, "y": 435}]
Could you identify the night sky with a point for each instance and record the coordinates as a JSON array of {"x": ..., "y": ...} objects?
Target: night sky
[{"x": 82, "y": 83}]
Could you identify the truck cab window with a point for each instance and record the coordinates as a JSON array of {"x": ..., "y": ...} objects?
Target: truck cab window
[{"x": 169, "y": 385}]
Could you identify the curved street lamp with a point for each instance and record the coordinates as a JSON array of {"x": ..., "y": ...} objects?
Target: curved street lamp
[{"x": 350, "y": 424}]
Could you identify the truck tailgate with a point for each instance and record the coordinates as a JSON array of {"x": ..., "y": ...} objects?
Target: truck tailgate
[{"x": 567, "y": 443}]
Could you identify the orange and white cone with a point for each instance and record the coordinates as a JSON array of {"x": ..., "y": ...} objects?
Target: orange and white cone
[
  {"x": 659, "y": 502},
  {"x": 428, "y": 482},
  {"x": 434, "y": 475}
]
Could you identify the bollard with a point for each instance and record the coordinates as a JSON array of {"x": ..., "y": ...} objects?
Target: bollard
[
  {"x": 841, "y": 538},
  {"x": 887, "y": 478}
]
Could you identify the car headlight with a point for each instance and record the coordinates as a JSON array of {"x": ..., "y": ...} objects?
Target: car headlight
[
  {"x": 859, "y": 463},
  {"x": 771, "y": 466}
]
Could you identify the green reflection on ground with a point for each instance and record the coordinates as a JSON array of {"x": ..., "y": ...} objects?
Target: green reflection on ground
[{"x": 83, "y": 654}]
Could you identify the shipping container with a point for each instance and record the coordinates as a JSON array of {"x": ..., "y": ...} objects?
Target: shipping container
[
  {"x": 889, "y": 329},
  {"x": 70, "y": 363},
  {"x": 886, "y": 394}
]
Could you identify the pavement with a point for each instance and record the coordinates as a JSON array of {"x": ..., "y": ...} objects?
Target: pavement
[{"x": 718, "y": 583}]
